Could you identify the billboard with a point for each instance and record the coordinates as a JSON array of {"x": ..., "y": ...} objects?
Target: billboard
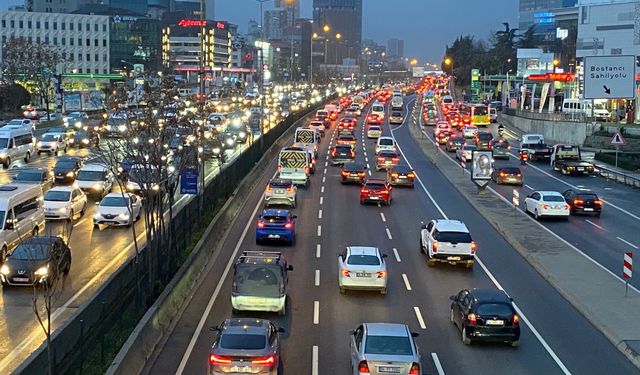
[{"x": 609, "y": 77}]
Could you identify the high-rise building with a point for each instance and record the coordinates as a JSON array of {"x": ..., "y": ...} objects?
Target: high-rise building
[
  {"x": 292, "y": 7},
  {"x": 275, "y": 23},
  {"x": 395, "y": 48},
  {"x": 343, "y": 17}
]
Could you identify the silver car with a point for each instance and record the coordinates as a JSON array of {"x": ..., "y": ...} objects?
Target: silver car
[
  {"x": 363, "y": 268},
  {"x": 384, "y": 348},
  {"x": 280, "y": 192},
  {"x": 464, "y": 153}
]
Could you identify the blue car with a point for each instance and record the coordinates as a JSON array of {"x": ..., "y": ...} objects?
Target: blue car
[{"x": 276, "y": 225}]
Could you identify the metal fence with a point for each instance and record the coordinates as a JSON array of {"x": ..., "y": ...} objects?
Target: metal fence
[
  {"x": 546, "y": 116},
  {"x": 617, "y": 176},
  {"x": 86, "y": 343}
]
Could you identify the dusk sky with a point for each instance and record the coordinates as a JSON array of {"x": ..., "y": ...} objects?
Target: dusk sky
[{"x": 425, "y": 25}]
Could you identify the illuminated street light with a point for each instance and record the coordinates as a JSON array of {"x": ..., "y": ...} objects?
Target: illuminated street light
[{"x": 326, "y": 28}]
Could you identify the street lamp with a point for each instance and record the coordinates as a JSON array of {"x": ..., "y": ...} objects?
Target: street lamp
[
  {"x": 449, "y": 62},
  {"x": 556, "y": 62},
  {"x": 503, "y": 64},
  {"x": 338, "y": 36},
  {"x": 314, "y": 36}
]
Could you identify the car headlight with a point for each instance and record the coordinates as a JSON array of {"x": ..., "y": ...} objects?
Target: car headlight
[
  {"x": 242, "y": 134},
  {"x": 131, "y": 186},
  {"x": 97, "y": 186},
  {"x": 42, "y": 271},
  {"x": 96, "y": 216},
  {"x": 4, "y": 269},
  {"x": 108, "y": 127},
  {"x": 70, "y": 174},
  {"x": 39, "y": 144},
  {"x": 72, "y": 140},
  {"x": 3, "y": 155},
  {"x": 216, "y": 150},
  {"x": 122, "y": 128},
  {"x": 229, "y": 141},
  {"x": 123, "y": 216},
  {"x": 63, "y": 209}
]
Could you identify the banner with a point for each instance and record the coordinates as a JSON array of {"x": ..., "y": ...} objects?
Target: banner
[
  {"x": 543, "y": 95},
  {"x": 72, "y": 102},
  {"x": 533, "y": 97},
  {"x": 552, "y": 99},
  {"x": 523, "y": 95},
  {"x": 92, "y": 100}
]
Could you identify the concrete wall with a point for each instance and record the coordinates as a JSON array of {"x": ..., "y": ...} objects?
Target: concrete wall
[{"x": 553, "y": 131}]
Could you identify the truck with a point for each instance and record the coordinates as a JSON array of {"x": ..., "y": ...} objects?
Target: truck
[
  {"x": 536, "y": 147},
  {"x": 568, "y": 160},
  {"x": 307, "y": 138},
  {"x": 332, "y": 111},
  {"x": 293, "y": 164}
]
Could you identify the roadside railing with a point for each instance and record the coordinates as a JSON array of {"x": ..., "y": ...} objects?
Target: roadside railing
[
  {"x": 556, "y": 116},
  {"x": 618, "y": 176}
]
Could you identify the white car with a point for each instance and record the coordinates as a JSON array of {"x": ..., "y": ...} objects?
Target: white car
[
  {"x": 95, "y": 179},
  {"x": 52, "y": 143},
  {"x": 363, "y": 268},
  {"x": 385, "y": 143},
  {"x": 464, "y": 152},
  {"x": 64, "y": 202},
  {"x": 318, "y": 126},
  {"x": 118, "y": 209},
  {"x": 55, "y": 116},
  {"x": 374, "y": 131},
  {"x": 547, "y": 203},
  {"x": 20, "y": 123},
  {"x": 469, "y": 131}
]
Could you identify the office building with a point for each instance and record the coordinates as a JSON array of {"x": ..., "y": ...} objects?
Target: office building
[
  {"x": 611, "y": 28},
  {"x": 82, "y": 38},
  {"x": 51, "y": 6},
  {"x": 395, "y": 48},
  {"x": 344, "y": 17},
  {"x": 292, "y": 8},
  {"x": 275, "y": 23}
]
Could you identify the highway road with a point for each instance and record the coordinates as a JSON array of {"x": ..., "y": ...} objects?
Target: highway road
[
  {"x": 96, "y": 253},
  {"x": 556, "y": 339}
]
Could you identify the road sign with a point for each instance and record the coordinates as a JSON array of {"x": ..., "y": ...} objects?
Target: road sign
[
  {"x": 627, "y": 269},
  {"x": 189, "y": 181},
  {"x": 617, "y": 140},
  {"x": 609, "y": 77},
  {"x": 516, "y": 198}
]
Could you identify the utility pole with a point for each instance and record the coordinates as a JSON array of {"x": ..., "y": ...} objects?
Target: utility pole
[
  {"x": 262, "y": 96},
  {"x": 201, "y": 100}
]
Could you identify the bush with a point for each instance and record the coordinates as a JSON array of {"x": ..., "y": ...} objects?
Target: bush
[{"x": 625, "y": 161}]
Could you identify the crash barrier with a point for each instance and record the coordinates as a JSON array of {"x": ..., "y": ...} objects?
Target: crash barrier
[
  {"x": 618, "y": 176},
  {"x": 88, "y": 341},
  {"x": 573, "y": 133}
]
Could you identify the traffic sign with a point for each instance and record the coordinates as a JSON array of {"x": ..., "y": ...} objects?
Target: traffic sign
[
  {"x": 609, "y": 77},
  {"x": 189, "y": 181},
  {"x": 627, "y": 269},
  {"x": 617, "y": 140},
  {"x": 516, "y": 198}
]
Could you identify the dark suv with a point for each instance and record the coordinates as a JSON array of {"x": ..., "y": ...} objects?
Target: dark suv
[
  {"x": 341, "y": 154},
  {"x": 483, "y": 141},
  {"x": 36, "y": 260},
  {"x": 583, "y": 202},
  {"x": 485, "y": 315},
  {"x": 36, "y": 176}
]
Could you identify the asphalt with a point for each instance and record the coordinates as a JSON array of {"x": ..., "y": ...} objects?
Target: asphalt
[{"x": 556, "y": 338}]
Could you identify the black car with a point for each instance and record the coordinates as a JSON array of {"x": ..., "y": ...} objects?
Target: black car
[
  {"x": 483, "y": 141},
  {"x": 41, "y": 176},
  {"x": 36, "y": 260},
  {"x": 84, "y": 138},
  {"x": 401, "y": 175},
  {"x": 485, "y": 315},
  {"x": 124, "y": 166},
  {"x": 507, "y": 175},
  {"x": 353, "y": 172},
  {"x": 66, "y": 169},
  {"x": 454, "y": 143},
  {"x": 341, "y": 154},
  {"x": 583, "y": 202}
]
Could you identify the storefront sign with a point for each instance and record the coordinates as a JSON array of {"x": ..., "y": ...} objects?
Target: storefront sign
[
  {"x": 561, "y": 77},
  {"x": 191, "y": 23}
]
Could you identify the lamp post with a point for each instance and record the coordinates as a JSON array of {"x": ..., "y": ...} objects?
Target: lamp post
[
  {"x": 262, "y": 96},
  {"x": 503, "y": 64},
  {"x": 314, "y": 36},
  {"x": 338, "y": 36}
]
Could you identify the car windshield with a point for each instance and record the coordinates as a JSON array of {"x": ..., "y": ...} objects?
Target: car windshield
[
  {"x": 65, "y": 165},
  {"x": 81, "y": 134},
  {"x": 274, "y": 218},
  {"x": 374, "y": 128},
  {"x": 50, "y": 137},
  {"x": 242, "y": 341},
  {"x": 363, "y": 260},
  {"x": 497, "y": 309},
  {"x": 552, "y": 198},
  {"x": 386, "y": 142},
  {"x": 453, "y": 237},
  {"x": 258, "y": 280},
  {"x": 28, "y": 176},
  {"x": 388, "y": 345},
  {"x": 31, "y": 251},
  {"x": 115, "y": 202},
  {"x": 485, "y": 136},
  {"x": 57, "y": 196},
  {"x": 90, "y": 175}
]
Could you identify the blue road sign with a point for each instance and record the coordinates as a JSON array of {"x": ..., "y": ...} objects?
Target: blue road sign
[{"x": 189, "y": 181}]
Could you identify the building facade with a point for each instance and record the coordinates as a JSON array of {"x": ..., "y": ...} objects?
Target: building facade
[
  {"x": 608, "y": 29},
  {"x": 395, "y": 47},
  {"x": 83, "y": 39},
  {"x": 52, "y": 6},
  {"x": 292, "y": 9},
  {"x": 344, "y": 17}
]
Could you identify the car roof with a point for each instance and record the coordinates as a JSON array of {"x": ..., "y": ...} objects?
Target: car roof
[
  {"x": 451, "y": 225},
  {"x": 362, "y": 250},
  {"x": 490, "y": 295},
  {"x": 548, "y": 192},
  {"x": 385, "y": 137},
  {"x": 62, "y": 188},
  {"x": 387, "y": 152},
  {"x": 94, "y": 167},
  {"x": 118, "y": 195},
  {"x": 387, "y": 329},
  {"x": 353, "y": 166},
  {"x": 275, "y": 212},
  {"x": 401, "y": 168}
]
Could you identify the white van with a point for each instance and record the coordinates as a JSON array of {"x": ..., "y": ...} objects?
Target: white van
[
  {"x": 385, "y": 144},
  {"x": 447, "y": 100},
  {"x": 576, "y": 106},
  {"x": 397, "y": 102},
  {"x": 307, "y": 138},
  {"x": 293, "y": 164},
  {"x": 377, "y": 108},
  {"x": 21, "y": 215},
  {"x": 15, "y": 144}
]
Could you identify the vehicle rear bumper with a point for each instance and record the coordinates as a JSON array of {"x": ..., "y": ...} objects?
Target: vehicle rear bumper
[
  {"x": 251, "y": 303},
  {"x": 454, "y": 258},
  {"x": 493, "y": 334},
  {"x": 287, "y": 201},
  {"x": 337, "y": 161},
  {"x": 274, "y": 235},
  {"x": 373, "y": 284}
]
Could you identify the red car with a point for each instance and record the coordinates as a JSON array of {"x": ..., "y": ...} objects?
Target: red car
[
  {"x": 376, "y": 190},
  {"x": 345, "y": 128},
  {"x": 374, "y": 119}
]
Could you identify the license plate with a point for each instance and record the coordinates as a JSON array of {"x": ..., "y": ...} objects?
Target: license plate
[
  {"x": 581, "y": 168},
  {"x": 353, "y": 175},
  {"x": 274, "y": 236},
  {"x": 374, "y": 198},
  {"x": 241, "y": 368},
  {"x": 588, "y": 209},
  {"x": 389, "y": 370},
  {"x": 493, "y": 322},
  {"x": 453, "y": 258},
  {"x": 402, "y": 177},
  {"x": 363, "y": 274},
  {"x": 21, "y": 279},
  {"x": 280, "y": 191}
]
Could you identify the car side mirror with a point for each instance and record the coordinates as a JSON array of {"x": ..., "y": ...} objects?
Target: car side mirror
[
  {"x": 453, "y": 298},
  {"x": 415, "y": 334},
  {"x": 281, "y": 330},
  {"x": 214, "y": 328},
  {"x": 289, "y": 268}
]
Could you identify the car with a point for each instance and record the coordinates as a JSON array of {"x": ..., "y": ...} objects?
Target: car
[
  {"x": 507, "y": 175},
  {"x": 64, "y": 202},
  {"x": 443, "y": 137},
  {"x": 376, "y": 190},
  {"x": 280, "y": 191},
  {"x": 37, "y": 176},
  {"x": 455, "y": 143},
  {"x": 362, "y": 268},
  {"x": 374, "y": 119},
  {"x": 276, "y": 225},
  {"x": 318, "y": 126},
  {"x": 483, "y": 141},
  {"x": 355, "y": 109},
  {"x": 583, "y": 202},
  {"x": 33, "y": 113},
  {"x": 501, "y": 148},
  {"x": 37, "y": 260},
  {"x": 464, "y": 153},
  {"x": 384, "y": 348},
  {"x": 247, "y": 344},
  {"x": 385, "y": 143},
  {"x": 374, "y": 131},
  {"x": 547, "y": 203},
  {"x": 260, "y": 282},
  {"x": 396, "y": 118},
  {"x": 95, "y": 179},
  {"x": 84, "y": 138},
  {"x": 485, "y": 315},
  {"x": 442, "y": 126},
  {"x": 469, "y": 131},
  {"x": 342, "y": 153},
  {"x": 386, "y": 159},
  {"x": 447, "y": 241},
  {"x": 118, "y": 209},
  {"x": 54, "y": 116},
  {"x": 401, "y": 175},
  {"x": 20, "y": 123},
  {"x": 68, "y": 132},
  {"x": 75, "y": 119},
  {"x": 52, "y": 143},
  {"x": 346, "y": 139},
  {"x": 353, "y": 172},
  {"x": 346, "y": 126},
  {"x": 66, "y": 169}
]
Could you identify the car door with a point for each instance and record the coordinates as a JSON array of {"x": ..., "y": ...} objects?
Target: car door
[
  {"x": 356, "y": 348},
  {"x": 464, "y": 300},
  {"x": 79, "y": 200},
  {"x": 426, "y": 240}
]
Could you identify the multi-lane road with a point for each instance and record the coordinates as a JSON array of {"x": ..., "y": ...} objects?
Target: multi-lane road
[{"x": 556, "y": 338}]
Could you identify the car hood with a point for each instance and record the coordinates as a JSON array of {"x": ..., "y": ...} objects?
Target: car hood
[
  {"x": 56, "y": 204},
  {"x": 28, "y": 265},
  {"x": 62, "y": 170},
  {"x": 89, "y": 184},
  {"x": 111, "y": 210}
]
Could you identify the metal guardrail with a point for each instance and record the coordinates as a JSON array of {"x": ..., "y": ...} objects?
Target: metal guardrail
[
  {"x": 556, "y": 116},
  {"x": 617, "y": 176}
]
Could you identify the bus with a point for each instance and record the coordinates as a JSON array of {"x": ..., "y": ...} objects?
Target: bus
[{"x": 475, "y": 114}]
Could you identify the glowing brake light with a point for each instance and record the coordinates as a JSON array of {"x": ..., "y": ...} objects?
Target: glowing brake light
[
  {"x": 516, "y": 320},
  {"x": 544, "y": 206},
  {"x": 363, "y": 367},
  {"x": 415, "y": 369},
  {"x": 346, "y": 273},
  {"x": 598, "y": 202},
  {"x": 434, "y": 247},
  {"x": 381, "y": 274},
  {"x": 288, "y": 225},
  {"x": 290, "y": 190},
  {"x": 218, "y": 360},
  {"x": 395, "y": 159},
  {"x": 578, "y": 201},
  {"x": 411, "y": 175},
  {"x": 345, "y": 173},
  {"x": 268, "y": 190},
  {"x": 473, "y": 247},
  {"x": 260, "y": 224},
  {"x": 472, "y": 318},
  {"x": 264, "y": 361},
  {"x": 394, "y": 175}
]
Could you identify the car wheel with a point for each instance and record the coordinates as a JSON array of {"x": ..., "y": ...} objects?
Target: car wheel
[
  {"x": 71, "y": 215},
  {"x": 465, "y": 339},
  {"x": 453, "y": 321},
  {"x": 96, "y": 226},
  {"x": 421, "y": 247},
  {"x": 515, "y": 343},
  {"x": 535, "y": 214},
  {"x": 27, "y": 157},
  {"x": 383, "y": 291},
  {"x": 84, "y": 208},
  {"x": 6, "y": 163},
  {"x": 35, "y": 231},
  {"x": 342, "y": 290},
  {"x": 469, "y": 266}
]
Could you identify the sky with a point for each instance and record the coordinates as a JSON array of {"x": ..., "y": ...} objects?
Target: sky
[{"x": 426, "y": 26}]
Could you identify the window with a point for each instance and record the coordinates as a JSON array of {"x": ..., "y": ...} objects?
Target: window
[
  {"x": 88, "y": 57},
  {"x": 71, "y": 40},
  {"x": 95, "y": 27},
  {"x": 4, "y": 23},
  {"x": 104, "y": 57},
  {"x": 71, "y": 26},
  {"x": 79, "y": 26},
  {"x": 63, "y": 25},
  {"x": 13, "y": 24},
  {"x": 88, "y": 42},
  {"x": 104, "y": 28},
  {"x": 38, "y": 25},
  {"x": 26, "y": 208},
  {"x": 46, "y": 25},
  {"x": 55, "y": 25},
  {"x": 104, "y": 42},
  {"x": 37, "y": 39},
  {"x": 88, "y": 28},
  {"x": 4, "y": 39},
  {"x": 21, "y": 24},
  {"x": 96, "y": 58},
  {"x": 80, "y": 70},
  {"x": 64, "y": 41},
  {"x": 80, "y": 41},
  {"x": 95, "y": 42},
  {"x": 55, "y": 41},
  {"x": 80, "y": 58},
  {"x": 29, "y": 24},
  {"x": 71, "y": 55}
]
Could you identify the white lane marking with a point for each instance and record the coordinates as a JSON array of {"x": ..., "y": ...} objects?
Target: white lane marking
[
  {"x": 322, "y": 189},
  {"x": 594, "y": 224},
  {"x": 436, "y": 361},
  {"x": 319, "y": 214},
  {"x": 384, "y": 219},
  {"x": 318, "y": 250},
  {"x": 366, "y": 159},
  {"x": 319, "y": 230},
  {"x": 395, "y": 252},
  {"x": 529, "y": 187},
  {"x": 369, "y": 172},
  {"x": 388, "y": 233},
  {"x": 314, "y": 360},
  {"x": 406, "y": 281},
  {"x": 316, "y": 312},
  {"x": 325, "y": 171},
  {"x": 321, "y": 200},
  {"x": 324, "y": 179},
  {"x": 317, "y": 281},
  {"x": 368, "y": 166},
  {"x": 419, "y": 316},
  {"x": 214, "y": 296},
  {"x": 326, "y": 163},
  {"x": 80, "y": 222},
  {"x": 627, "y": 242}
]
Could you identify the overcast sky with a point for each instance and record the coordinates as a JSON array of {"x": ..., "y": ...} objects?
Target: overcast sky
[{"x": 427, "y": 26}]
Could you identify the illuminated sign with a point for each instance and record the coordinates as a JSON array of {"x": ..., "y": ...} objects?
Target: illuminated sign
[
  {"x": 221, "y": 25},
  {"x": 544, "y": 17},
  {"x": 561, "y": 77},
  {"x": 192, "y": 23}
]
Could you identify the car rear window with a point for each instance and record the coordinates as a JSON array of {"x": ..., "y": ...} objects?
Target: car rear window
[
  {"x": 385, "y": 142},
  {"x": 343, "y": 148},
  {"x": 453, "y": 237},
  {"x": 363, "y": 260},
  {"x": 510, "y": 170},
  {"x": 374, "y": 186},
  {"x": 587, "y": 196},
  {"x": 244, "y": 341},
  {"x": 388, "y": 345},
  {"x": 396, "y": 114},
  {"x": 274, "y": 218},
  {"x": 258, "y": 280},
  {"x": 485, "y": 136},
  {"x": 280, "y": 184},
  {"x": 374, "y": 128},
  {"x": 498, "y": 309},
  {"x": 553, "y": 198}
]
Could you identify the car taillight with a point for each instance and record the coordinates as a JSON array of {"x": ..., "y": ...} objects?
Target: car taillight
[
  {"x": 578, "y": 201},
  {"x": 394, "y": 175},
  {"x": 473, "y": 247},
  {"x": 385, "y": 191},
  {"x": 288, "y": 225},
  {"x": 345, "y": 173},
  {"x": 411, "y": 175},
  {"x": 415, "y": 369},
  {"x": 268, "y": 190},
  {"x": 502, "y": 174},
  {"x": 566, "y": 207},
  {"x": 434, "y": 247},
  {"x": 516, "y": 320},
  {"x": 381, "y": 274},
  {"x": 290, "y": 190},
  {"x": 364, "y": 191},
  {"x": 544, "y": 206},
  {"x": 361, "y": 174},
  {"x": 472, "y": 318},
  {"x": 380, "y": 159},
  {"x": 346, "y": 273},
  {"x": 260, "y": 224},
  {"x": 306, "y": 169},
  {"x": 353, "y": 154},
  {"x": 218, "y": 360},
  {"x": 598, "y": 202},
  {"x": 333, "y": 153},
  {"x": 518, "y": 174},
  {"x": 264, "y": 361},
  {"x": 363, "y": 367},
  {"x": 395, "y": 159},
  {"x": 234, "y": 287}
]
